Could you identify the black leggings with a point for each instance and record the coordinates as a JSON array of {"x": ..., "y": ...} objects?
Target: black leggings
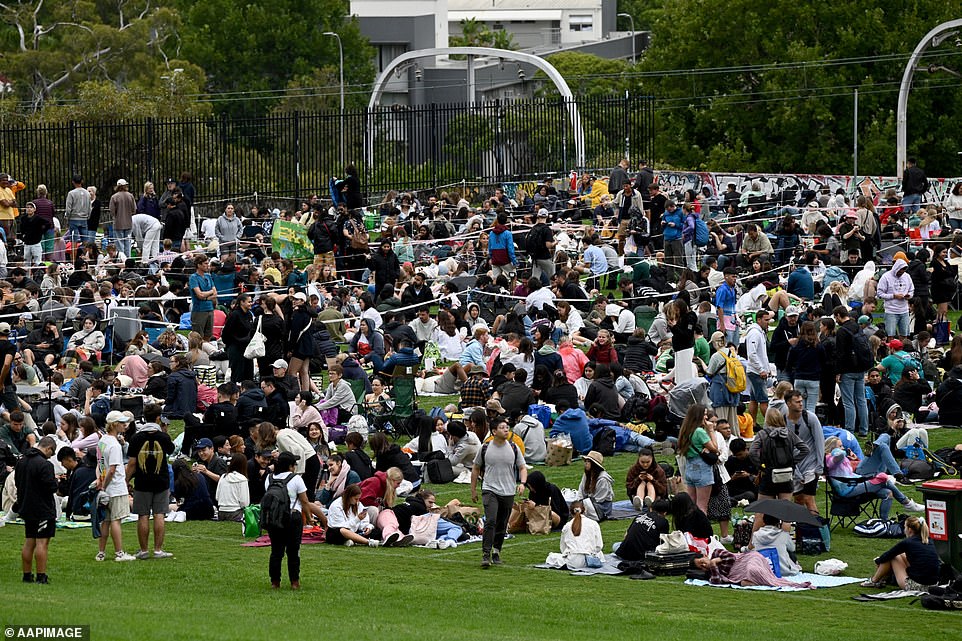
[
  {"x": 312, "y": 472},
  {"x": 286, "y": 541}
]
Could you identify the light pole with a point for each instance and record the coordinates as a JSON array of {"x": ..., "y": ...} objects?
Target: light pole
[
  {"x": 340, "y": 52},
  {"x": 632, "y": 21}
]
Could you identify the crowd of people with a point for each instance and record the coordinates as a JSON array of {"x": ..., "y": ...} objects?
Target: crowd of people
[{"x": 719, "y": 328}]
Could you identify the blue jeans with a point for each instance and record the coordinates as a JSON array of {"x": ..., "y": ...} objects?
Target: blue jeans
[
  {"x": 78, "y": 229},
  {"x": 733, "y": 336},
  {"x": 955, "y": 223},
  {"x": 881, "y": 459},
  {"x": 884, "y": 492},
  {"x": 911, "y": 203},
  {"x": 637, "y": 441},
  {"x": 123, "y": 240},
  {"x": 809, "y": 390},
  {"x": 897, "y": 324},
  {"x": 852, "y": 385}
]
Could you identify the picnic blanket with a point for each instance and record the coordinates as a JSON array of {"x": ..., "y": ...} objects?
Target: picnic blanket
[
  {"x": 886, "y": 596},
  {"x": 608, "y": 568},
  {"x": 817, "y": 581},
  {"x": 623, "y": 510}
]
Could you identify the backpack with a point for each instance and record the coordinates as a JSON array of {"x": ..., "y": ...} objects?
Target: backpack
[
  {"x": 635, "y": 409},
  {"x": 701, "y": 233},
  {"x": 778, "y": 452},
  {"x": 938, "y": 598},
  {"x": 440, "y": 231},
  {"x": 604, "y": 441},
  {"x": 861, "y": 352},
  {"x": 735, "y": 379},
  {"x": 880, "y": 529},
  {"x": 439, "y": 471},
  {"x": 276, "y": 504},
  {"x": 534, "y": 241}
]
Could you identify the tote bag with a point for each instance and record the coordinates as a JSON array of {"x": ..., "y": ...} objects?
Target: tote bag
[
  {"x": 257, "y": 347},
  {"x": 424, "y": 528}
]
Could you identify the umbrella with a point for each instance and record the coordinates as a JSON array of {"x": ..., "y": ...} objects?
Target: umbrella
[{"x": 784, "y": 510}]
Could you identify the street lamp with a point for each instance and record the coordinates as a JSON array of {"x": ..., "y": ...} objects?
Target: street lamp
[
  {"x": 340, "y": 52},
  {"x": 632, "y": 21}
]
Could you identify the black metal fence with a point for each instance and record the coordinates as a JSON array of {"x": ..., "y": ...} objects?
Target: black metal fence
[{"x": 293, "y": 155}]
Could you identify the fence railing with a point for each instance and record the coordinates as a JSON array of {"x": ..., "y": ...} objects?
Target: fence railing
[{"x": 290, "y": 156}]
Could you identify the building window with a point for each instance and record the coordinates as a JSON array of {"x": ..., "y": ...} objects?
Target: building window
[{"x": 580, "y": 23}]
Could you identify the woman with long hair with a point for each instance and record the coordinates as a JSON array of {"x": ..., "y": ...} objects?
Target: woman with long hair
[
  {"x": 266, "y": 436},
  {"x": 683, "y": 322},
  {"x": 233, "y": 491},
  {"x": 953, "y": 356},
  {"x": 190, "y": 488},
  {"x": 597, "y": 485},
  {"x": 580, "y": 539},
  {"x": 274, "y": 329},
  {"x": 695, "y": 439},
  {"x": 300, "y": 342},
  {"x": 348, "y": 522},
  {"x": 913, "y": 560},
  {"x": 379, "y": 495},
  {"x": 688, "y": 517},
  {"x": 945, "y": 280},
  {"x": 805, "y": 362}
]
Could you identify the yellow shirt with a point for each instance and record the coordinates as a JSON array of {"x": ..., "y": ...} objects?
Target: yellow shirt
[{"x": 9, "y": 193}]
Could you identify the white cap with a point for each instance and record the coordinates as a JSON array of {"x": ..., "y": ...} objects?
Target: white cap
[
  {"x": 122, "y": 183},
  {"x": 792, "y": 311},
  {"x": 280, "y": 363},
  {"x": 117, "y": 417}
]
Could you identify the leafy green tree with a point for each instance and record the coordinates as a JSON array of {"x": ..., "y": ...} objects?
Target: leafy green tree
[
  {"x": 250, "y": 50},
  {"x": 477, "y": 34}
]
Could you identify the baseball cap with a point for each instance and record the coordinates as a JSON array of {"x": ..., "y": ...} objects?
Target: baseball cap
[
  {"x": 864, "y": 320},
  {"x": 895, "y": 344},
  {"x": 115, "y": 416},
  {"x": 202, "y": 443},
  {"x": 301, "y": 296},
  {"x": 122, "y": 183},
  {"x": 792, "y": 311},
  {"x": 4, "y": 329},
  {"x": 280, "y": 363}
]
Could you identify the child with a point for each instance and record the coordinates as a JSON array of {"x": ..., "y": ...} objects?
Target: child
[
  {"x": 772, "y": 535},
  {"x": 746, "y": 423}
]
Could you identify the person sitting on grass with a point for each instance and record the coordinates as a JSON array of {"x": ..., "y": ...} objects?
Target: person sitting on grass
[
  {"x": 233, "y": 493},
  {"x": 596, "y": 486},
  {"x": 646, "y": 481},
  {"x": 913, "y": 561},
  {"x": 644, "y": 533},
  {"x": 773, "y": 535},
  {"x": 379, "y": 494},
  {"x": 194, "y": 502},
  {"x": 745, "y": 569},
  {"x": 347, "y": 521},
  {"x": 581, "y": 542},
  {"x": 341, "y": 475},
  {"x": 541, "y": 492}
]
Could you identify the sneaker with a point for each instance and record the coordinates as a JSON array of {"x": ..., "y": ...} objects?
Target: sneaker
[
  {"x": 373, "y": 543},
  {"x": 437, "y": 544},
  {"x": 636, "y": 503},
  {"x": 648, "y": 502},
  {"x": 42, "y": 579},
  {"x": 727, "y": 540},
  {"x": 872, "y": 584},
  {"x": 28, "y": 577},
  {"x": 392, "y": 540},
  {"x": 912, "y": 506},
  {"x": 485, "y": 562},
  {"x": 496, "y": 559},
  {"x": 122, "y": 556},
  {"x": 348, "y": 543},
  {"x": 160, "y": 554},
  {"x": 405, "y": 541},
  {"x": 100, "y": 556},
  {"x": 143, "y": 555},
  {"x": 443, "y": 544}
]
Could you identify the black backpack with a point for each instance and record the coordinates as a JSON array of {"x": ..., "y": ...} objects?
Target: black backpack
[
  {"x": 862, "y": 357},
  {"x": 778, "y": 452},
  {"x": 533, "y": 241},
  {"x": 604, "y": 441},
  {"x": 439, "y": 471},
  {"x": 276, "y": 504}
]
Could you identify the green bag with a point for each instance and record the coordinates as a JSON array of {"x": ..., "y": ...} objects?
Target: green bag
[{"x": 252, "y": 518}]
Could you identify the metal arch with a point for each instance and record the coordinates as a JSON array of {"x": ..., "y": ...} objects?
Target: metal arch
[
  {"x": 931, "y": 38},
  {"x": 471, "y": 52}
]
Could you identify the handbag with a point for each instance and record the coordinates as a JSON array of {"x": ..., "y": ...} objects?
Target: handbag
[
  {"x": 709, "y": 457},
  {"x": 424, "y": 528},
  {"x": 539, "y": 519},
  {"x": 359, "y": 237},
  {"x": 517, "y": 522},
  {"x": 672, "y": 543},
  {"x": 940, "y": 331},
  {"x": 257, "y": 347}
]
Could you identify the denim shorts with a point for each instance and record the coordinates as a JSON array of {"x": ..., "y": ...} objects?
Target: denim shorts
[
  {"x": 758, "y": 388},
  {"x": 698, "y": 473}
]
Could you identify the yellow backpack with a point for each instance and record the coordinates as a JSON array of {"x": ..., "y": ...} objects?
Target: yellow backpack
[{"x": 734, "y": 372}]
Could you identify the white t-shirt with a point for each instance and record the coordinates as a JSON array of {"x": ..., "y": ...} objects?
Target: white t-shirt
[
  {"x": 110, "y": 453},
  {"x": 294, "y": 488},
  {"x": 574, "y": 322}
]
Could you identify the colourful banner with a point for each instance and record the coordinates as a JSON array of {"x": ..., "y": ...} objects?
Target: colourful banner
[{"x": 290, "y": 240}]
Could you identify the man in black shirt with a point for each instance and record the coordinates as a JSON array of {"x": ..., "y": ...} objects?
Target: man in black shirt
[
  {"x": 657, "y": 202},
  {"x": 220, "y": 419},
  {"x": 209, "y": 465},
  {"x": 644, "y": 533},
  {"x": 257, "y": 470},
  {"x": 514, "y": 393},
  {"x": 147, "y": 468},
  {"x": 278, "y": 410},
  {"x": 742, "y": 471}
]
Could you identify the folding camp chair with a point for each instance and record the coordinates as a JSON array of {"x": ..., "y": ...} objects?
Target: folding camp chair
[
  {"x": 849, "y": 510},
  {"x": 359, "y": 389},
  {"x": 404, "y": 398}
]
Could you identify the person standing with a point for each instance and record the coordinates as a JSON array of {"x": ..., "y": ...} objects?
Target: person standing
[
  {"x": 851, "y": 376},
  {"x": 147, "y": 466},
  {"x": 228, "y": 229},
  {"x": 807, "y": 427},
  {"x": 112, "y": 482},
  {"x": 203, "y": 297},
  {"x": 618, "y": 177},
  {"x": 540, "y": 243},
  {"x": 896, "y": 288},
  {"x": 77, "y": 211},
  {"x": 147, "y": 230},
  {"x": 36, "y": 485},
  {"x": 238, "y": 331},
  {"x": 673, "y": 224},
  {"x": 759, "y": 369},
  {"x": 914, "y": 185},
  {"x": 726, "y": 297},
  {"x": 122, "y": 209},
  {"x": 502, "y": 467}
]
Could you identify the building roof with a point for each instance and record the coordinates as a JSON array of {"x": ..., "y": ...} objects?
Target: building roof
[{"x": 482, "y": 6}]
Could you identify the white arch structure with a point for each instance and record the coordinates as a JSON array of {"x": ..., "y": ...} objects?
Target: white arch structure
[
  {"x": 472, "y": 53},
  {"x": 933, "y": 37}
]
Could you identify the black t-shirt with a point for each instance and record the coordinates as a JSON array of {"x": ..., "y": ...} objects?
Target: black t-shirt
[
  {"x": 696, "y": 523},
  {"x": 223, "y": 417},
  {"x": 255, "y": 481},
  {"x": 6, "y": 347},
  {"x": 149, "y": 450},
  {"x": 643, "y": 535},
  {"x": 742, "y": 485}
]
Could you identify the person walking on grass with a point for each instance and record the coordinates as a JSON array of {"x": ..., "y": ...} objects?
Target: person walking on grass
[
  {"x": 112, "y": 481},
  {"x": 36, "y": 486},
  {"x": 501, "y": 465},
  {"x": 147, "y": 467}
]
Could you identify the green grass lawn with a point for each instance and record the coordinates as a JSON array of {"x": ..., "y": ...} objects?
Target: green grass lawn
[{"x": 216, "y": 589}]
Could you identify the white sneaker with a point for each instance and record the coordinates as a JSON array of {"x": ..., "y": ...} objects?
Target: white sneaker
[
  {"x": 160, "y": 554},
  {"x": 912, "y": 506},
  {"x": 100, "y": 556},
  {"x": 437, "y": 544},
  {"x": 123, "y": 556},
  {"x": 374, "y": 543},
  {"x": 143, "y": 555},
  {"x": 348, "y": 543},
  {"x": 726, "y": 540},
  {"x": 636, "y": 503}
]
